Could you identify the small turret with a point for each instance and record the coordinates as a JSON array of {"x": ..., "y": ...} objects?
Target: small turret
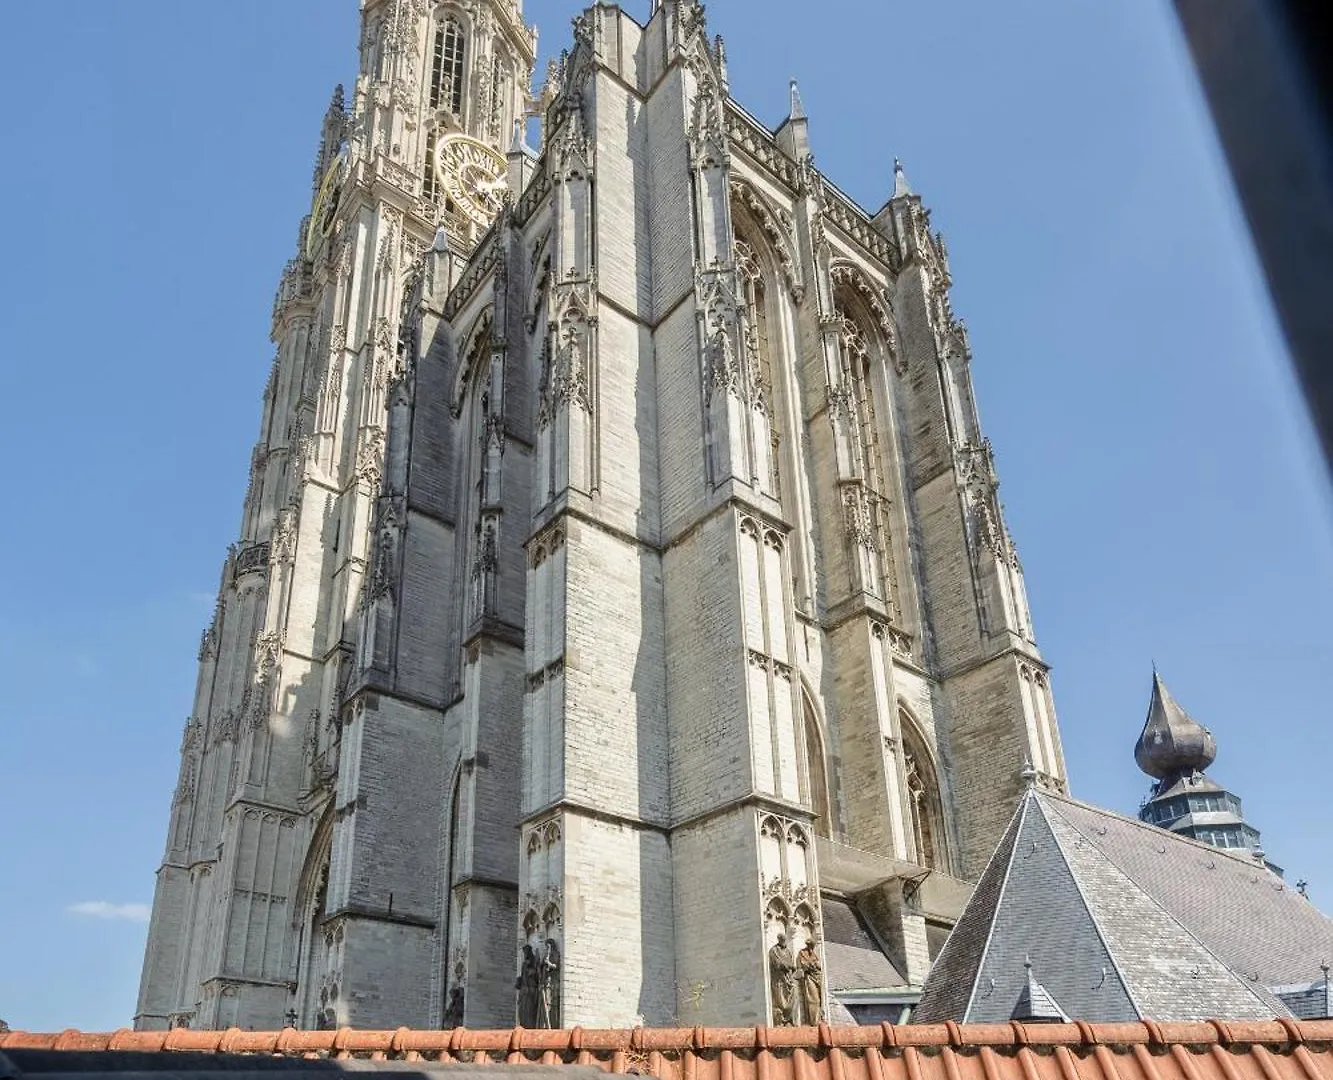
[
  {"x": 1035, "y": 1005},
  {"x": 793, "y": 133},
  {"x": 1174, "y": 749},
  {"x": 900, "y": 185},
  {"x": 1172, "y": 741}
]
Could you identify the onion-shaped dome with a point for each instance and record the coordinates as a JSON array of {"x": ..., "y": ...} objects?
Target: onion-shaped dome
[{"x": 1171, "y": 741}]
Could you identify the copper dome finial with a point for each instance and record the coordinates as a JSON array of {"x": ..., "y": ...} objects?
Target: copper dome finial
[{"x": 1171, "y": 741}]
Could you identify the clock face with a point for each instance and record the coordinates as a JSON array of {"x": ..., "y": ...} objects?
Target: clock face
[
  {"x": 324, "y": 210},
  {"x": 473, "y": 175}
]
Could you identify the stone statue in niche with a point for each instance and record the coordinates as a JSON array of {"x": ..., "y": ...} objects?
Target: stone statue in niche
[
  {"x": 782, "y": 982},
  {"x": 453, "y": 1011},
  {"x": 548, "y": 1015},
  {"x": 811, "y": 975},
  {"x": 528, "y": 985}
]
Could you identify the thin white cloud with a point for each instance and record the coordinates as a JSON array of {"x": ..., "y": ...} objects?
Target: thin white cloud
[{"x": 104, "y": 909}]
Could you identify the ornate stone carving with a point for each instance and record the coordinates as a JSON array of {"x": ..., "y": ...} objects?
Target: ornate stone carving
[
  {"x": 856, "y": 516},
  {"x": 226, "y": 729},
  {"x": 208, "y": 640},
  {"x": 975, "y": 466},
  {"x": 852, "y": 278},
  {"x": 193, "y": 736},
  {"x": 282, "y": 546},
  {"x": 454, "y": 1010},
  {"x": 778, "y": 231},
  {"x": 185, "y": 785},
  {"x": 250, "y": 559},
  {"x": 482, "y": 264},
  {"x": 527, "y": 988},
  {"x": 370, "y": 458},
  {"x": 718, "y": 300}
]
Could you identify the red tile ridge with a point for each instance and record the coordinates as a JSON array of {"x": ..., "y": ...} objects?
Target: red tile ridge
[{"x": 638, "y": 1041}]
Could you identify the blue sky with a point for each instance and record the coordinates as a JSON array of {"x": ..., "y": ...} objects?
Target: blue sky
[{"x": 1157, "y": 467}]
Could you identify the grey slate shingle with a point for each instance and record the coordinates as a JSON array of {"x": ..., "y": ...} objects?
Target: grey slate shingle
[{"x": 1124, "y": 920}]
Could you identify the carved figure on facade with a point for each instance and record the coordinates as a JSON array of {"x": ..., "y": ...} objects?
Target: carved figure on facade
[
  {"x": 453, "y": 1010},
  {"x": 548, "y": 1008},
  {"x": 282, "y": 547},
  {"x": 208, "y": 640},
  {"x": 810, "y": 975},
  {"x": 528, "y": 989},
  {"x": 569, "y": 372},
  {"x": 782, "y": 982}
]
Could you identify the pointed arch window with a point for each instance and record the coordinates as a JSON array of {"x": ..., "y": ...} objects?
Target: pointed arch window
[
  {"x": 817, "y": 772},
  {"x": 857, "y": 370},
  {"x": 870, "y": 505},
  {"x": 758, "y": 362},
  {"x": 924, "y": 806},
  {"x": 446, "y": 77}
]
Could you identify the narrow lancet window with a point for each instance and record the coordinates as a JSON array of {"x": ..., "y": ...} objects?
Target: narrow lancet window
[{"x": 446, "y": 82}]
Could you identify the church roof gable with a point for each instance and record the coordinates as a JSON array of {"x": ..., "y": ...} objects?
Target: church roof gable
[
  {"x": 1248, "y": 917},
  {"x": 1042, "y": 917}
]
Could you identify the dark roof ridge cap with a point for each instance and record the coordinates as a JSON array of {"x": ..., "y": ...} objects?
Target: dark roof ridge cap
[
  {"x": 1247, "y": 984},
  {"x": 1083, "y": 896},
  {"x": 1016, "y": 823},
  {"x": 1240, "y": 856}
]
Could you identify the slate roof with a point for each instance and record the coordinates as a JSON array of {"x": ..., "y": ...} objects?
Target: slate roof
[
  {"x": 853, "y": 959},
  {"x": 1124, "y": 921},
  {"x": 1215, "y": 1050}
]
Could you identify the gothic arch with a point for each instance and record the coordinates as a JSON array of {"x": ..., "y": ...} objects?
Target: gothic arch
[
  {"x": 775, "y": 227},
  {"x": 853, "y": 289},
  {"x": 308, "y": 916},
  {"x": 450, "y": 951},
  {"x": 823, "y": 793},
  {"x": 468, "y": 356},
  {"x": 924, "y": 795}
]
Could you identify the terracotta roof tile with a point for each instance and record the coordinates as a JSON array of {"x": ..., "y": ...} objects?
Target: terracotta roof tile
[{"x": 1212, "y": 1050}]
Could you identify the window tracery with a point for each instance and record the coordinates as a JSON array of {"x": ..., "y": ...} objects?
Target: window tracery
[
  {"x": 447, "y": 61},
  {"x": 757, "y": 363},
  {"x": 924, "y": 805},
  {"x": 866, "y": 502}
]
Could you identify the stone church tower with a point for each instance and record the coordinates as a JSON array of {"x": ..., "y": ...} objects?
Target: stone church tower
[{"x": 622, "y": 581}]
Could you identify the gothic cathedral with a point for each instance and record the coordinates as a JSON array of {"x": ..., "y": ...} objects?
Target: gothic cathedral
[{"x": 622, "y": 603}]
